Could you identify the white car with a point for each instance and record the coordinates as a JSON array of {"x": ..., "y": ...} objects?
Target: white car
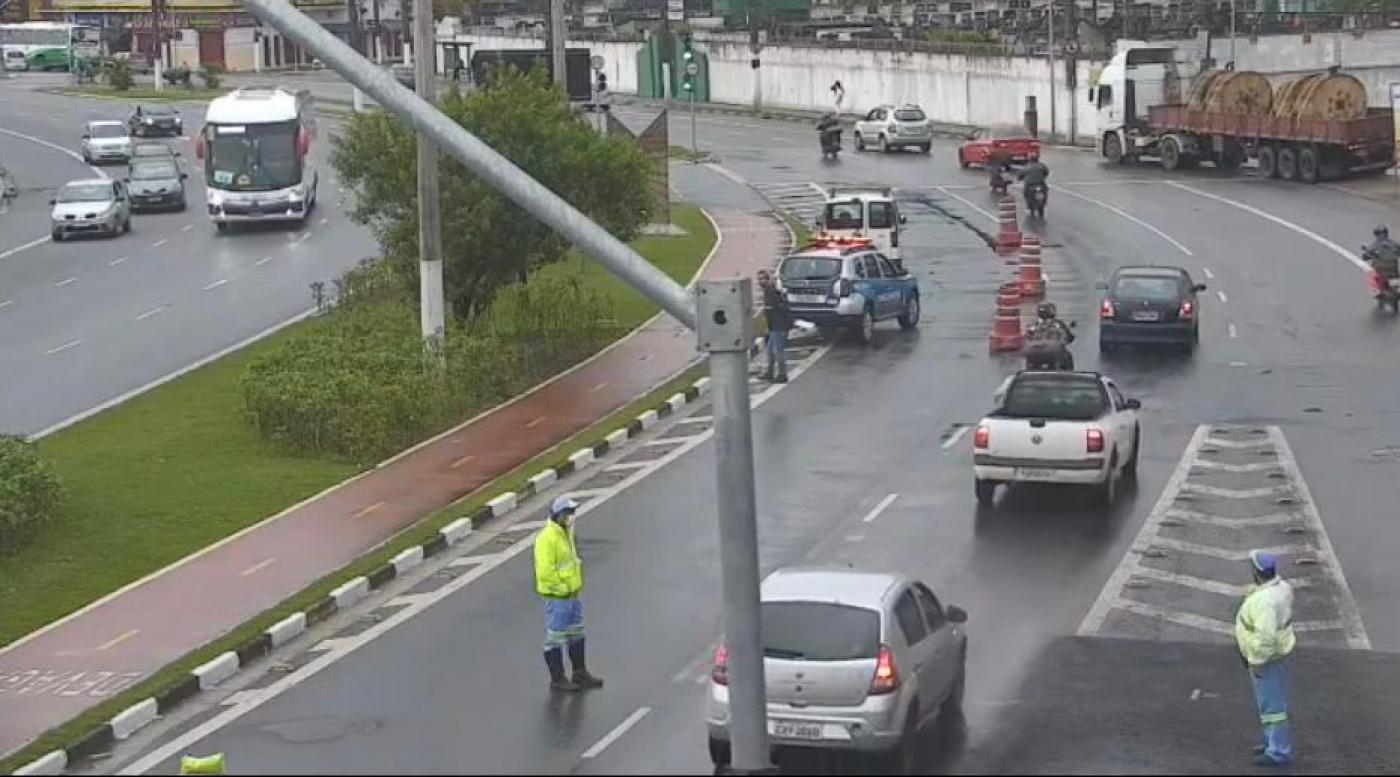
[
  {"x": 1057, "y": 427},
  {"x": 95, "y": 206},
  {"x": 106, "y": 141},
  {"x": 14, "y": 60},
  {"x": 891, "y": 127}
]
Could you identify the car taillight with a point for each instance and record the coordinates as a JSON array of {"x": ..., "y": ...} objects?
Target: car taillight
[
  {"x": 1093, "y": 441},
  {"x": 1188, "y": 309},
  {"x": 720, "y": 672},
  {"x": 982, "y": 437},
  {"x": 1106, "y": 309},
  {"x": 844, "y": 287},
  {"x": 886, "y": 679}
]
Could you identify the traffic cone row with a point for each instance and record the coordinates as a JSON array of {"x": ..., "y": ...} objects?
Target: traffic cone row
[
  {"x": 1006, "y": 329},
  {"x": 1008, "y": 229},
  {"x": 1032, "y": 281}
]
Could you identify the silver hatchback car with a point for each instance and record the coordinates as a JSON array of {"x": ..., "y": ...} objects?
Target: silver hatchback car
[
  {"x": 95, "y": 206},
  {"x": 855, "y": 661}
]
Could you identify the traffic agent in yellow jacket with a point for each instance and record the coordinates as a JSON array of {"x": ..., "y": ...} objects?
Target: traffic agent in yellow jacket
[
  {"x": 1264, "y": 634},
  {"x": 559, "y": 581}
]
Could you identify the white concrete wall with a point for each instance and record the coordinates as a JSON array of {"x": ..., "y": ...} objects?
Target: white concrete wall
[
  {"x": 186, "y": 49},
  {"x": 239, "y": 49},
  {"x": 619, "y": 59}
]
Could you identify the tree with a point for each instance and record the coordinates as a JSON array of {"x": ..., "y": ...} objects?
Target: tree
[{"x": 488, "y": 241}]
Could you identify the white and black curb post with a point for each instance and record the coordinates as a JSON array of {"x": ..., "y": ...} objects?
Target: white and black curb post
[{"x": 726, "y": 307}]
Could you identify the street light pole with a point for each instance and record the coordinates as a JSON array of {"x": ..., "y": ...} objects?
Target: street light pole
[
  {"x": 430, "y": 313},
  {"x": 558, "y": 33},
  {"x": 1232, "y": 34},
  {"x": 1050, "y": 53}
]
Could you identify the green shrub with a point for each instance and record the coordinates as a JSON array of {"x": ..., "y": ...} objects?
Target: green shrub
[
  {"x": 30, "y": 493},
  {"x": 211, "y": 74},
  {"x": 119, "y": 75}
]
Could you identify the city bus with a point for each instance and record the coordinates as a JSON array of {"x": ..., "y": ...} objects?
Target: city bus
[
  {"x": 256, "y": 151},
  {"x": 48, "y": 45}
]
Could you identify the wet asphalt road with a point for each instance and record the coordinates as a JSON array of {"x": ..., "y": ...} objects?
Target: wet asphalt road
[
  {"x": 86, "y": 320},
  {"x": 1293, "y": 343}
]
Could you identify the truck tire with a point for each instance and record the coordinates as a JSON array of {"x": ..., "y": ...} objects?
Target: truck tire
[
  {"x": 1113, "y": 149},
  {"x": 1309, "y": 164},
  {"x": 1288, "y": 163},
  {"x": 1171, "y": 154},
  {"x": 1268, "y": 162}
]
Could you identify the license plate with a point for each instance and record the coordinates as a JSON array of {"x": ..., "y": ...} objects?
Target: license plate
[
  {"x": 1034, "y": 473},
  {"x": 807, "y": 298},
  {"x": 1146, "y": 315},
  {"x": 792, "y": 729}
]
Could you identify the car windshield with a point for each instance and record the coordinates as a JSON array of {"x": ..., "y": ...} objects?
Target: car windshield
[
  {"x": 843, "y": 215},
  {"x": 1156, "y": 289},
  {"x": 162, "y": 111},
  {"x": 85, "y": 192},
  {"x": 810, "y": 268},
  {"x": 1007, "y": 133},
  {"x": 107, "y": 131},
  {"x": 909, "y": 114},
  {"x": 819, "y": 631},
  {"x": 155, "y": 172},
  {"x": 253, "y": 157},
  {"x": 1046, "y": 396}
]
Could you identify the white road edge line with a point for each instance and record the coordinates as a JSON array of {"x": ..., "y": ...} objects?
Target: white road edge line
[
  {"x": 615, "y": 734},
  {"x": 38, "y": 241},
  {"x": 99, "y": 172},
  {"x": 968, "y": 203},
  {"x": 1130, "y": 217},
  {"x": 348, "y": 645},
  {"x": 1285, "y": 223},
  {"x": 958, "y": 435},
  {"x": 879, "y": 508}
]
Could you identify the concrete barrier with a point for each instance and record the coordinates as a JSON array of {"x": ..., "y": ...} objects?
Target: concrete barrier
[
  {"x": 456, "y": 531},
  {"x": 348, "y": 594},
  {"x": 131, "y": 719},
  {"x": 287, "y": 629},
  {"x": 218, "y": 670}
]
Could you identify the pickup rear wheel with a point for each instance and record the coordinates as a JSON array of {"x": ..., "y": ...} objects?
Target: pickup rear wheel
[
  {"x": 1130, "y": 469},
  {"x": 986, "y": 491},
  {"x": 1107, "y": 491}
]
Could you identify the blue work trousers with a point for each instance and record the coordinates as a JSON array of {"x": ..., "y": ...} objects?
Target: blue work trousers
[{"x": 1271, "y": 697}]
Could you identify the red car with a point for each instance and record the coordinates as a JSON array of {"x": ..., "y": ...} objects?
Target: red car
[{"x": 1012, "y": 143}]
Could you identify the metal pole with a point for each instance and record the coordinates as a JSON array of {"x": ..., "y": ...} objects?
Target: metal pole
[
  {"x": 1050, "y": 52},
  {"x": 430, "y": 310},
  {"x": 755, "y": 46},
  {"x": 738, "y": 517},
  {"x": 1232, "y": 34},
  {"x": 694, "y": 140},
  {"x": 498, "y": 172},
  {"x": 158, "y": 47},
  {"x": 558, "y": 33},
  {"x": 378, "y": 35}
]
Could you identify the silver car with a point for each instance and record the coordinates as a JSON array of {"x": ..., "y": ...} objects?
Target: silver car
[
  {"x": 95, "y": 206},
  {"x": 891, "y": 127},
  {"x": 855, "y": 661},
  {"x": 106, "y": 141}
]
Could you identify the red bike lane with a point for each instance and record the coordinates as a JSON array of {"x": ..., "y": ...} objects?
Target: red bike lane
[{"x": 56, "y": 673}]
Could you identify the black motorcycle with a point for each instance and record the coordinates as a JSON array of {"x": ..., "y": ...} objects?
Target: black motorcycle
[
  {"x": 1036, "y": 197},
  {"x": 1386, "y": 291},
  {"x": 831, "y": 143},
  {"x": 998, "y": 183}
]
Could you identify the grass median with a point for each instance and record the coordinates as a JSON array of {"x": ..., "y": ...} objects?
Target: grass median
[
  {"x": 179, "y": 468},
  {"x": 169, "y": 94}
]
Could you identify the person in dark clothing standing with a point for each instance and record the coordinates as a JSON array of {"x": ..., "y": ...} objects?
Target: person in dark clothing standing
[{"x": 779, "y": 318}]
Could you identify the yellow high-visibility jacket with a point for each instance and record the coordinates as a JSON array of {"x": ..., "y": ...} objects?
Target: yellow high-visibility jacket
[
  {"x": 558, "y": 570},
  {"x": 1264, "y": 624}
]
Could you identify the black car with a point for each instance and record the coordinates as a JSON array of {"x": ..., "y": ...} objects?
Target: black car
[
  {"x": 1150, "y": 305},
  {"x": 155, "y": 119},
  {"x": 157, "y": 184}
]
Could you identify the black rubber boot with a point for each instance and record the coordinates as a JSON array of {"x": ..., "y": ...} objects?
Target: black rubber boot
[
  {"x": 582, "y": 678},
  {"x": 554, "y": 659}
]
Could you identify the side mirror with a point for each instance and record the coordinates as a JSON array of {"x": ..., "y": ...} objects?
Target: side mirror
[
  {"x": 1133, "y": 404},
  {"x": 955, "y": 614},
  {"x": 1091, "y": 95},
  {"x": 1199, "y": 287}
]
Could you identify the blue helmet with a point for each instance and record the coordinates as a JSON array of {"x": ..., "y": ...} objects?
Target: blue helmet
[
  {"x": 1264, "y": 563},
  {"x": 563, "y": 505}
]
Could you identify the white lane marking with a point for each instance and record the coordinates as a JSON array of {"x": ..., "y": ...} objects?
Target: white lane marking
[
  {"x": 1210, "y": 276},
  {"x": 1346, "y": 603},
  {"x": 97, "y": 171},
  {"x": 187, "y": 228},
  {"x": 6, "y": 303},
  {"x": 615, "y": 734},
  {"x": 1220, "y": 442},
  {"x": 117, "y": 261},
  {"x": 1257, "y": 466},
  {"x": 1233, "y": 331},
  {"x": 1130, "y": 217},
  {"x": 1268, "y": 519},
  {"x": 348, "y": 645},
  {"x": 301, "y": 238},
  {"x": 65, "y": 282},
  {"x": 149, "y": 313},
  {"x": 968, "y": 203},
  {"x": 1191, "y": 581},
  {"x": 1234, "y": 493},
  {"x": 879, "y": 508},
  {"x": 38, "y": 241},
  {"x": 1199, "y": 622},
  {"x": 1222, "y": 296},
  {"x": 64, "y": 347},
  {"x": 958, "y": 435},
  {"x": 1285, "y": 223},
  {"x": 262, "y": 261},
  {"x": 1211, "y": 551},
  {"x": 258, "y": 567},
  {"x": 325, "y": 221},
  {"x": 159, "y": 243},
  {"x": 216, "y": 284}
]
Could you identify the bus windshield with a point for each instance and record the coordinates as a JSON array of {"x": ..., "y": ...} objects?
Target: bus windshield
[{"x": 252, "y": 157}]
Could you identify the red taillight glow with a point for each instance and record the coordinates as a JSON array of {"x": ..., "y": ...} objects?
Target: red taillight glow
[
  {"x": 982, "y": 437},
  {"x": 1106, "y": 309},
  {"x": 1093, "y": 441},
  {"x": 1188, "y": 309},
  {"x": 844, "y": 287},
  {"x": 720, "y": 672},
  {"x": 886, "y": 678}
]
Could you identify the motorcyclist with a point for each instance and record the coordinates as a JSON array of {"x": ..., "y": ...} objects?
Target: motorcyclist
[
  {"x": 1048, "y": 326},
  {"x": 1047, "y": 341},
  {"x": 1383, "y": 253},
  {"x": 828, "y": 127},
  {"x": 997, "y": 165}
]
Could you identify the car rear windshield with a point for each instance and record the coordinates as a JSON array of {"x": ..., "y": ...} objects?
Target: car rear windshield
[
  {"x": 157, "y": 110},
  {"x": 1048, "y": 396},
  {"x": 810, "y": 268},
  {"x": 85, "y": 192},
  {"x": 843, "y": 215},
  {"x": 909, "y": 114},
  {"x": 819, "y": 631},
  {"x": 153, "y": 172},
  {"x": 1155, "y": 288},
  {"x": 107, "y": 131}
]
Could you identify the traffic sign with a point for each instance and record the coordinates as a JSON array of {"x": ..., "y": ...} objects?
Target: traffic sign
[
  {"x": 597, "y": 62},
  {"x": 691, "y": 69}
]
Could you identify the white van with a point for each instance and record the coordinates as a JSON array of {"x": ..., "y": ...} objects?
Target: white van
[
  {"x": 14, "y": 59},
  {"x": 868, "y": 212}
]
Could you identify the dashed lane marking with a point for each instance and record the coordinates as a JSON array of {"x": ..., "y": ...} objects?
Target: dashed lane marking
[
  {"x": 159, "y": 243},
  {"x": 187, "y": 228},
  {"x": 366, "y": 511},
  {"x": 1210, "y": 276},
  {"x": 958, "y": 435},
  {"x": 117, "y": 261},
  {"x": 598, "y": 387},
  {"x": 117, "y": 640},
  {"x": 262, "y": 261},
  {"x": 64, "y": 347},
  {"x": 149, "y": 313},
  {"x": 216, "y": 284},
  {"x": 65, "y": 282},
  {"x": 7, "y": 253},
  {"x": 258, "y": 567},
  {"x": 460, "y": 462},
  {"x": 1233, "y": 331},
  {"x": 879, "y": 508},
  {"x": 535, "y": 422},
  {"x": 6, "y": 303},
  {"x": 1222, "y": 296}
]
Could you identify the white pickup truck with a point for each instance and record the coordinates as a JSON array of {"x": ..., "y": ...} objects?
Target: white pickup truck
[{"x": 1057, "y": 427}]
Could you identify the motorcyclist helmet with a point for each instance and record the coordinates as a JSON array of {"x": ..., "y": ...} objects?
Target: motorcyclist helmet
[
  {"x": 1381, "y": 232},
  {"x": 1046, "y": 310}
]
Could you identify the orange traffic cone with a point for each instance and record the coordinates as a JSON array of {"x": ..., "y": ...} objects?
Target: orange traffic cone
[
  {"x": 1006, "y": 329},
  {"x": 1032, "y": 282},
  {"x": 1008, "y": 230}
]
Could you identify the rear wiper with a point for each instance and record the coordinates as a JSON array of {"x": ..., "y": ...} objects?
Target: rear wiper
[{"x": 780, "y": 653}]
